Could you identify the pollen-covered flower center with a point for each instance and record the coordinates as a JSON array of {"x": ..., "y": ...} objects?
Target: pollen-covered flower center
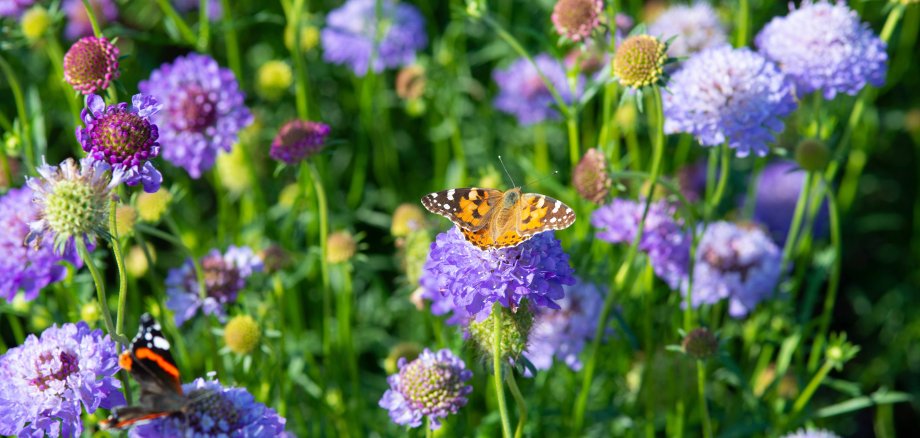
[
  {"x": 639, "y": 61},
  {"x": 430, "y": 387},
  {"x": 124, "y": 137},
  {"x": 194, "y": 110},
  {"x": 210, "y": 413},
  {"x": 50, "y": 368},
  {"x": 70, "y": 208}
]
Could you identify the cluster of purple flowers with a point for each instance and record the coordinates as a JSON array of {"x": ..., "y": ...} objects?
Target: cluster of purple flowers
[
  {"x": 696, "y": 28},
  {"x": 663, "y": 239},
  {"x": 524, "y": 94},
  {"x": 224, "y": 276}
]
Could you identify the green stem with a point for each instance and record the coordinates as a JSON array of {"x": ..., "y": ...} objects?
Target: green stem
[
  {"x": 797, "y": 215},
  {"x": 184, "y": 31},
  {"x": 541, "y": 149},
  {"x": 56, "y": 55},
  {"x": 497, "y": 364},
  {"x": 323, "y": 212},
  {"x": 743, "y": 23},
  {"x": 724, "y": 162},
  {"x": 122, "y": 275},
  {"x": 300, "y": 86},
  {"x": 204, "y": 26},
  {"x": 813, "y": 385},
  {"x": 704, "y": 408},
  {"x": 833, "y": 282},
  {"x": 24, "y": 119},
  {"x": 572, "y": 125},
  {"x": 519, "y": 399},
  {"x": 100, "y": 290},
  {"x": 233, "y": 45},
  {"x": 91, "y": 14},
  {"x": 428, "y": 432}
]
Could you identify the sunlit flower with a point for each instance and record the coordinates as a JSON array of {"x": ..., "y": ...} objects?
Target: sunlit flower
[{"x": 432, "y": 386}]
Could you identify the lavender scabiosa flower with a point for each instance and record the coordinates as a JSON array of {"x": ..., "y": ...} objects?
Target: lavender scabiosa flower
[
  {"x": 352, "y": 30},
  {"x": 474, "y": 279},
  {"x": 78, "y": 24},
  {"x": 824, "y": 47},
  {"x": 576, "y": 19},
  {"x": 91, "y": 64},
  {"x": 811, "y": 433},
  {"x": 729, "y": 95},
  {"x": 72, "y": 202},
  {"x": 432, "y": 386},
  {"x": 696, "y": 26},
  {"x": 562, "y": 333},
  {"x": 123, "y": 137},
  {"x": 14, "y": 8},
  {"x": 224, "y": 276},
  {"x": 298, "y": 140},
  {"x": 778, "y": 191},
  {"x": 523, "y": 94},
  {"x": 23, "y": 267},
  {"x": 46, "y": 382},
  {"x": 738, "y": 263},
  {"x": 203, "y": 110},
  {"x": 215, "y": 410},
  {"x": 663, "y": 238}
]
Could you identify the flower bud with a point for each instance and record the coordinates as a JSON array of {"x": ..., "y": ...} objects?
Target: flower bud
[
  {"x": 152, "y": 206},
  {"x": 136, "y": 261},
  {"x": 90, "y": 312},
  {"x": 241, "y": 334},
  {"x": 233, "y": 170},
  {"x": 515, "y": 330},
  {"x": 701, "y": 344},
  {"x": 340, "y": 247},
  {"x": 273, "y": 79},
  {"x": 576, "y": 19},
  {"x": 91, "y": 64},
  {"x": 125, "y": 218},
  {"x": 35, "y": 22},
  {"x": 812, "y": 155},
  {"x": 407, "y": 218},
  {"x": 590, "y": 178}
]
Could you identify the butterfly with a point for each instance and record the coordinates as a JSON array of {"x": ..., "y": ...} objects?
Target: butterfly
[
  {"x": 491, "y": 218},
  {"x": 151, "y": 364}
]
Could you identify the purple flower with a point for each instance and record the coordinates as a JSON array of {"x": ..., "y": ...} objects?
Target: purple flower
[
  {"x": 215, "y": 410},
  {"x": 224, "y": 276},
  {"x": 215, "y": 11},
  {"x": 729, "y": 95},
  {"x": 14, "y": 8},
  {"x": 78, "y": 24},
  {"x": 563, "y": 332},
  {"x": 44, "y": 381},
  {"x": 811, "y": 433},
  {"x": 697, "y": 27},
  {"x": 663, "y": 238},
  {"x": 523, "y": 94},
  {"x": 473, "y": 279},
  {"x": 123, "y": 137},
  {"x": 25, "y": 267},
  {"x": 351, "y": 36},
  {"x": 738, "y": 263},
  {"x": 91, "y": 64},
  {"x": 433, "y": 385},
  {"x": 777, "y": 194},
  {"x": 824, "y": 47},
  {"x": 203, "y": 110},
  {"x": 298, "y": 140}
]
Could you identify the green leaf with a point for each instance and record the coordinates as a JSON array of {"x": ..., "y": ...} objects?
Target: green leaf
[{"x": 881, "y": 397}]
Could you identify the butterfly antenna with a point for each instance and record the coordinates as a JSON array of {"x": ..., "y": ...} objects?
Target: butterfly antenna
[
  {"x": 555, "y": 172},
  {"x": 506, "y": 171}
]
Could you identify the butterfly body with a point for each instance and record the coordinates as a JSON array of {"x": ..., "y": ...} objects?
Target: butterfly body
[{"x": 491, "y": 218}]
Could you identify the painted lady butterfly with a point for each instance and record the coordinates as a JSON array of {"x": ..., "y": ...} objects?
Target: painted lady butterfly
[{"x": 491, "y": 218}]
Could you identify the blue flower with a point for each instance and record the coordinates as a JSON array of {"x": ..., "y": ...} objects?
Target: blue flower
[
  {"x": 777, "y": 195},
  {"x": 697, "y": 27},
  {"x": 433, "y": 386},
  {"x": 523, "y": 94},
  {"x": 563, "y": 332},
  {"x": 224, "y": 277},
  {"x": 351, "y": 36},
  {"x": 824, "y": 47},
  {"x": 46, "y": 382},
  {"x": 811, "y": 433},
  {"x": 729, "y": 95}
]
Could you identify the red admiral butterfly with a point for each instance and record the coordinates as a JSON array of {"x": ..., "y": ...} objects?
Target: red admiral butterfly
[{"x": 151, "y": 364}]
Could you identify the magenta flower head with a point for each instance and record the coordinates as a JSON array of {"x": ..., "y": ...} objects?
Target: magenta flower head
[
  {"x": 354, "y": 35},
  {"x": 124, "y": 137},
  {"x": 433, "y": 386},
  {"x": 26, "y": 268},
  {"x": 576, "y": 19},
  {"x": 91, "y": 64},
  {"x": 203, "y": 110},
  {"x": 78, "y": 24},
  {"x": 216, "y": 411},
  {"x": 729, "y": 95},
  {"x": 298, "y": 140},
  {"x": 474, "y": 279},
  {"x": 824, "y": 47},
  {"x": 224, "y": 277},
  {"x": 47, "y": 382}
]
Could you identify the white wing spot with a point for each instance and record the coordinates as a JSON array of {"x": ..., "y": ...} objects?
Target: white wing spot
[
  {"x": 556, "y": 207},
  {"x": 450, "y": 195},
  {"x": 157, "y": 326},
  {"x": 542, "y": 201},
  {"x": 161, "y": 343},
  {"x": 446, "y": 206},
  {"x": 474, "y": 194},
  {"x": 148, "y": 336},
  {"x": 568, "y": 211},
  {"x": 552, "y": 221}
]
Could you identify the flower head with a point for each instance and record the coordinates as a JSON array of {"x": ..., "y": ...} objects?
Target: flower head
[
  {"x": 824, "y": 47},
  {"x": 576, "y": 19},
  {"x": 812, "y": 155},
  {"x": 406, "y": 219},
  {"x": 152, "y": 206},
  {"x": 590, "y": 178},
  {"x": 811, "y": 433},
  {"x": 91, "y": 64},
  {"x": 523, "y": 94},
  {"x": 562, "y": 333},
  {"x": 273, "y": 79},
  {"x": 46, "y": 382},
  {"x": 341, "y": 247},
  {"x": 23, "y": 267},
  {"x": 215, "y": 410},
  {"x": 13, "y": 8},
  {"x": 778, "y": 191},
  {"x": 701, "y": 343},
  {"x": 410, "y": 82},
  {"x": 515, "y": 327},
  {"x": 73, "y": 201},
  {"x": 241, "y": 334},
  {"x": 352, "y": 30},
  {"x": 738, "y": 263},
  {"x": 725, "y": 94},
  {"x": 203, "y": 110},
  {"x": 35, "y": 22},
  {"x": 639, "y": 61},
  {"x": 78, "y": 24},
  {"x": 473, "y": 279},
  {"x": 433, "y": 386},
  {"x": 224, "y": 277},
  {"x": 298, "y": 140},
  {"x": 663, "y": 239},
  {"x": 696, "y": 26},
  {"x": 124, "y": 138}
]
